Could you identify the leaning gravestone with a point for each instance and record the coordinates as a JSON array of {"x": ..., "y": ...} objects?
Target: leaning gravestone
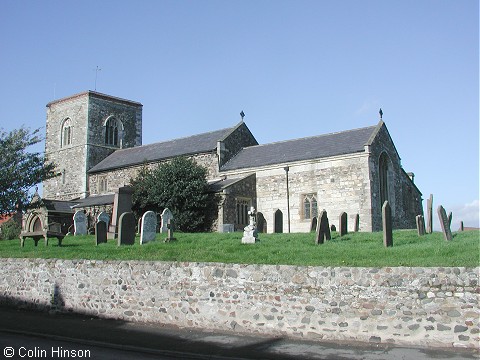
[
  {"x": 343, "y": 223},
  {"x": 387, "y": 224},
  {"x": 103, "y": 216},
  {"x": 323, "y": 229},
  {"x": 450, "y": 216},
  {"x": 420, "y": 225},
  {"x": 356, "y": 225},
  {"x": 80, "y": 223},
  {"x": 166, "y": 215},
  {"x": 100, "y": 232},
  {"x": 148, "y": 227},
  {"x": 442, "y": 215},
  {"x": 430, "y": 214},
  {"x": 126, "y": 229}
]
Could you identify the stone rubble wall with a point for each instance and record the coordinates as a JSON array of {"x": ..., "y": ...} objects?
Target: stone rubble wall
[{"x": 401, "y": 306}]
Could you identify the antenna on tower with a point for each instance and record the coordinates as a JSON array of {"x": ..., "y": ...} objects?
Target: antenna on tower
[{"x": 96, "y": 73}]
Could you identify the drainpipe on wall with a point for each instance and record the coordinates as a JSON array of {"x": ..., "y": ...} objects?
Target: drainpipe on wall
[{"x": 286, "y": 168}]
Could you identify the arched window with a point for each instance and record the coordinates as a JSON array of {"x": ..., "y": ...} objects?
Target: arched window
[
  {"x": 383, "y": 175},
  {"x": 309, "y": 206},
  {"x": 67, "y": 133},
  {"x": 111, "y": 132}
]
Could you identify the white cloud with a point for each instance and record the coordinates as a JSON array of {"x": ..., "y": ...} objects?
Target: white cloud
[{"x": 367, "y": 106}]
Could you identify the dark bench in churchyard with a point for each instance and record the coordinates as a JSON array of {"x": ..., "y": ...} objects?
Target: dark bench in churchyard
[
  {"x": 54, "y": 231},
  {"x": 37, "y": 235}
]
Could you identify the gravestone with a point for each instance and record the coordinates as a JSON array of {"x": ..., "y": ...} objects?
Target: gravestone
[
  {"x": 170, "y": 228},
  {"x": 356, "y": 225},
  {"x": 342, "y": 221},
  {"x": 442, "y": 215},
  {"x": 261, "y": 223},
  {"x": 139, "y": 226},
  {"x": 126, "y": 229},
  {"x": 450, "y": 215},
  {"x": 323, "y": 228},
  {"x": 103, "y": 216},
  {"x": 333, "y": 228},
  {"x": 166, "y": 215},
  {"x": 100, "y": 232},
  {"x": 313, "y": 224},
  {"x": 461, "y": 226},
  {"x": 430, "y": 214},
  {"x": 148, "y": 227},
  {"x": 122, "y": 203},
  {"x": 80, "y": 223},
  {"x": 420, "y": 225},
  {"x": 387, "y": 224},
  {"x": 250, "y": 231}
]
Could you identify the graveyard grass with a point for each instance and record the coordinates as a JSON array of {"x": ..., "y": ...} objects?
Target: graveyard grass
[{"x": 353, "y": 249}]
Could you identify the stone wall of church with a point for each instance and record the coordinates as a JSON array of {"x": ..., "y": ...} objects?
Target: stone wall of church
[
  {"x": 230, "y": 146},
  {"x": 404, "y": 197},
  {"x": 339, "y": 184},
  {"x": 70, "y": 159},
  {"x": 102, "y": 108},
  {"x": 242, "y": 190},
  {"x": 121, "y": 177}
]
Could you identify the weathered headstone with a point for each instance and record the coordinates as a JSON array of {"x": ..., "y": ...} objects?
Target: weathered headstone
[
  {"x": 166, "y": 215},
  {"x": 333, "y": 228},
  {"x": 122, "y": 203},
  {"x": 313, "y": 224},
  {"x": 450, "y": 216},
  {"x": 461, "y": 226},
  {"x": 323, "y": 228},
  {"x": 387, "y": 224},
  {"x": 170, "y": 228},
  {"x": 80, "y": 223},
  {"x": 342, "y": 221},
  {"x": 420, "y": 225},
  {"x": 250, "y": 231},
  {"x": 356, "y": 225},
  {"x": 103, "y": 216},
  {"x": 442, "y": 215},
  {"x": 126, "y": 229},
  {"x": 148, "y": 227},
  {"x": 430, "y": 214},
  {"x": 100, "y": 232}
]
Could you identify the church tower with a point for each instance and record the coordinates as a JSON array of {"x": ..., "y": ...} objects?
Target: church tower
[{"x": 81, "y": 131}]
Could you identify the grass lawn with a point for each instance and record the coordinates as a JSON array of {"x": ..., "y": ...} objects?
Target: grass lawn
[{"x": 354, "y": 249}]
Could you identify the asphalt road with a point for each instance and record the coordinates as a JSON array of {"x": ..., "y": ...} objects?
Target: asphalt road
[{"x": 34, "y": 335}]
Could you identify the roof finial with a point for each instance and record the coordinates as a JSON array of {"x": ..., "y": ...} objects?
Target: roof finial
[
  {"x": 381, "y": 113},
  {"x": 242, "y": 114}
]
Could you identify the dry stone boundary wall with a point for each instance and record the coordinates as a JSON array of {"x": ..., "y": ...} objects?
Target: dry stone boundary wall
[{"x": 402, "y": 306}]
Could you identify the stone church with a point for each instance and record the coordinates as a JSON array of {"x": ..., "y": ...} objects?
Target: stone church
[{"x": 96, "y": 142}]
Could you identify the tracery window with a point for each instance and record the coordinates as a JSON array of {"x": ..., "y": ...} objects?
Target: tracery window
[
  {"x": 310, "y": 209},
  {"x": 67, "y": 133},
  {"x": 243, "y": 205},
  {"x": 111, "y": 132}
]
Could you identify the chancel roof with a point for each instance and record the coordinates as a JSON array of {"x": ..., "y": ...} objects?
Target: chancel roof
[
  {"x": 163, "y": 150},
  {"x": 321, "y": 146}
]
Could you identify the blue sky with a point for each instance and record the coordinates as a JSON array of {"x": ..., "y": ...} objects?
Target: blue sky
[{"x": 296, "y": 68}]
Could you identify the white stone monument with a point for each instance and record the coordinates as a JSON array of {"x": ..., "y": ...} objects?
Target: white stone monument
[
  {"x": 250, "y": 231},
  {"x": 80, "y": 223},
  {"x": 166, "y": 215}
]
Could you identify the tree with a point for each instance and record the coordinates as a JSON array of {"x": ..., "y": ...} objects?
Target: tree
[
  {"x": 20, "y": 170},
  {"x": 181, "y": 186}
]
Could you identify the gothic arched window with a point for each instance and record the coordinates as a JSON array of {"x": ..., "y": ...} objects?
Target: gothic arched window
[
  {"x": 111, "y": 132},
  {"x": 309, "y": 206},
  {"x": 67, "y": 133},
  {"x": 383, "y": 175}
]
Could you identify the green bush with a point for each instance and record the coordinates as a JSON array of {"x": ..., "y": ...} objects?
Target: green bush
[{"x": 10, "y": 230}]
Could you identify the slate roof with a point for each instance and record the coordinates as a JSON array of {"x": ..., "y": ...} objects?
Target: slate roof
[
  {"x": 340, "y": 143},
  {"x": 195, "y": 144},
  {"x": 94, "y": 201},
  {"x": 60, "y": 206}
]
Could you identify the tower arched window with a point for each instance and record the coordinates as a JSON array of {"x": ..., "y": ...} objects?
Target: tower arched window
[
  {"x": 67, "y": 133},
  {"x": 383, "y": 175},
  {"x": 111, "y": 132}
]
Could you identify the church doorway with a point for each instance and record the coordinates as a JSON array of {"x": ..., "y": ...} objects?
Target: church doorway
[{"x": 278, "y": 227}]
